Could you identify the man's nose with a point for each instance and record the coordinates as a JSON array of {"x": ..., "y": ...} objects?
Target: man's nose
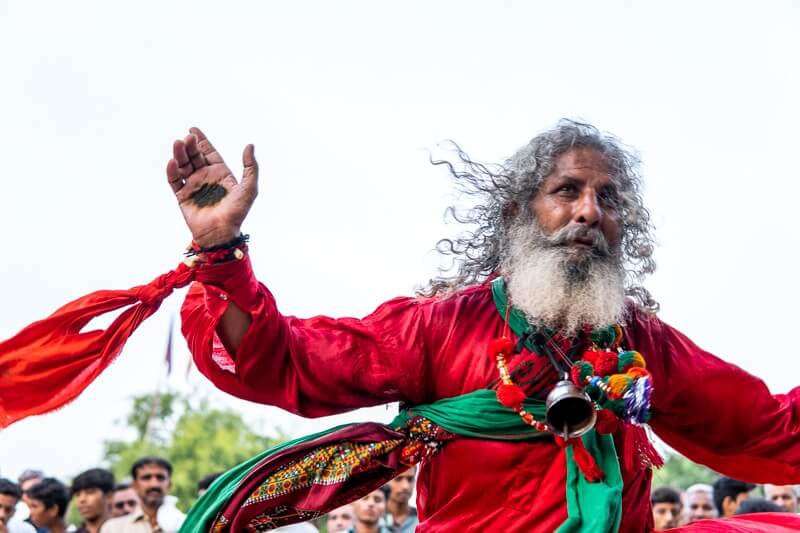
[{"x": 587, "y": 209}]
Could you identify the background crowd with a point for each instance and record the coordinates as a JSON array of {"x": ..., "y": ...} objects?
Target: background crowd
[
  {"x": 93, "y": 502},
  {"x": 674, "y": 507},
  {"x": 97, "y": 503}
]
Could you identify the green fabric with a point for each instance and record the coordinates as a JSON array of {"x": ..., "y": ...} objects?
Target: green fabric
[
  {"x": 591, "y": 507},
  {"x": 477, "y": 414},
  {"x": 594, "y": 506}
]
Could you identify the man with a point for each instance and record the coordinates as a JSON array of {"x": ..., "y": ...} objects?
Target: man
[
  {"x": 667, "y": 507},
  {"x": 92, "y": 492},
  {"x": 729, "y": 494},
  {"x": 125, "y": 500},
  {"x": 368, "y": 512},
  {"x": 340, "y": 519},
  {"x": 699, "y": 503},
  {"x": 157, "y": 513},
  {"x": 783, "y": 495},
  {"x": 563, "y": 224},
  {"x": 10, "y": 495},
  {"x": 401, "y": 517},
  {"x": 48, "y": 501},
  {"x": 26, "y": 480}
]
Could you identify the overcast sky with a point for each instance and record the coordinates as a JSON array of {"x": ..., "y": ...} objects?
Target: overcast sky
[{"x": 344, "y": 101}]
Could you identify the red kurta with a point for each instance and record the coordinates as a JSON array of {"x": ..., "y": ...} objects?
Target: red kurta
[{"x": 421, "y": 350}]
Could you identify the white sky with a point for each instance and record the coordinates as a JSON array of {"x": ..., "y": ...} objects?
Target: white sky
[{"x": 342, "y": 101}]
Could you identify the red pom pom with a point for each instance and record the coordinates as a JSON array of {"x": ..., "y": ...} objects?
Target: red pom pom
[
  {"x": 607, "y": 422},
  {"x": 510, "y": 395},
  {"x": 606, "y": 363},
  {"x": 502, "y": 345},
  {"x": 590, "y": 356}
]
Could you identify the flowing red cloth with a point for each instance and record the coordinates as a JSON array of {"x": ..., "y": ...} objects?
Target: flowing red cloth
[
  {"x": 746, "y": 523},
  {"x": 50, "y": 362}
]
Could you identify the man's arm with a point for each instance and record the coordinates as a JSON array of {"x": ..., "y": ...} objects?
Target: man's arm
[
  {"x": 313, "y": 367},
  {"x": 717, "y": 414},
  {"x": 245, "y": 346}
]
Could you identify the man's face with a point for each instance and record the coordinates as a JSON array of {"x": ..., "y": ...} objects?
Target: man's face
[
  {"x": 402, "y": 486},
  {"x": 27, "y": 484},
  {"x": 92, "y": 503},
  {"x": 340, "y": 519},
  {"x": 783, "y": 495},
  {"x": 731, "y": 505},
  {"x": 370, "y": 508},
  {"x": 151, "y": 484},
  {"x": 42, "y": 516},
  {"x": 124, "y": 502},
  {"x": 579, "y": 193},
  {"x": 8, "y": 504},
  {"x": 700, "y": 506},
  {"x": 666, "y": 515}
]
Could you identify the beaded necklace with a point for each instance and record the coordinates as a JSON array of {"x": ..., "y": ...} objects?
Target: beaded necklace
[{"x": 615, "y": 380}]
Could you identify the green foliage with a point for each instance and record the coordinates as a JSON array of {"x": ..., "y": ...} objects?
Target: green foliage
[
  {"x": 679, "y": 472},
  {"x": 195, "y": 437}
]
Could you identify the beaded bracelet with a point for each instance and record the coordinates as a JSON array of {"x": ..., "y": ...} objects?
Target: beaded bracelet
[{"x": 235, "y": 249}]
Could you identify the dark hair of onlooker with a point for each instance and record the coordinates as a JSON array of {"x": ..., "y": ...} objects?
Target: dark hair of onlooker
[
  {"x": 9, "y": 488},
  {"x": 665, "y": 495},
  {"x": 144, "y": 461},
  {"x": 729, "y": 487},
  {"x": 121, "y": 486},
  {"x": 386, "y": 490},
  {"x": 50, "y": 492},
  {"x": 206, "y": 482},
  {"x": 759, "y": 505},
  {"x": 94, "y": 478}
]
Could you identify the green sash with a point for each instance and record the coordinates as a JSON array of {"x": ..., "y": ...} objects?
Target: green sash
[{"x": 591, "y": 507}]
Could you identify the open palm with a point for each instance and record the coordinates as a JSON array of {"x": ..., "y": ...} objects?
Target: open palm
[{"x": 214, "y": 204}]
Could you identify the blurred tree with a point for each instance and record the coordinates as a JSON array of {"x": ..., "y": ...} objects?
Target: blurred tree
[
  {"x": 679, "y": 472},
  {"x": 196, "y": 438}
]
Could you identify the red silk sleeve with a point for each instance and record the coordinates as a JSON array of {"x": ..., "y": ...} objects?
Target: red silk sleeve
[
  {"x": 718, "y": 415},
  {"x": 311, "y": 367}
]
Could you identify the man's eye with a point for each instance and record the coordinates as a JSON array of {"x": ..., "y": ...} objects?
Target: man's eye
[{"x": 566, "y": 189}]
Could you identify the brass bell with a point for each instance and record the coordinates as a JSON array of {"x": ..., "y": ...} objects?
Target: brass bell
[{"x": 569, "y": 411}]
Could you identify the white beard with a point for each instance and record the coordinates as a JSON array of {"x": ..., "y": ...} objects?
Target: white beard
[{"x": 559, "y": 286}]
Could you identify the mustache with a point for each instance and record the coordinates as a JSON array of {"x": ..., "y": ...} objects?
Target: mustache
[{"x": 568, "y": 235}]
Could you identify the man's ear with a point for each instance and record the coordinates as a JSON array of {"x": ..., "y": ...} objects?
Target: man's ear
[{"x": 728, "y": 506}]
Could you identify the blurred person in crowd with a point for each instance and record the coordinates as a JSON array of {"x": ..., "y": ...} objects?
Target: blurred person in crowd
[
  {"x": 699, "y": 503},
  {"x": 729, "y": 494},
  {"x": 26, "y": 480},
  {"x": 157, "y": 512},
  {"x": 783, "y": 495},
  {"x": 48, "y": 500},
  {"x": 400, "y": 516},
  {"x": 10, "y": 495},
  {"x": 93, "y": 492},
  {"x": 759, "y": 505},
  {"x": 667, "y": 507},
  {"x": 203, "y": 484},
  {"x": 125, "y": 500},
  {"x": 369, "y": 512},
  {"x": 341, "y": 519}
]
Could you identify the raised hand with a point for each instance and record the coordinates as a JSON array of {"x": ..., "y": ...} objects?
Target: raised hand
[{"x": 214, "y": 204}]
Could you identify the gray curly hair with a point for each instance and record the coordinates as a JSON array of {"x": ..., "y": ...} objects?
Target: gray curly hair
[{"x": 500, "y": 189}]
